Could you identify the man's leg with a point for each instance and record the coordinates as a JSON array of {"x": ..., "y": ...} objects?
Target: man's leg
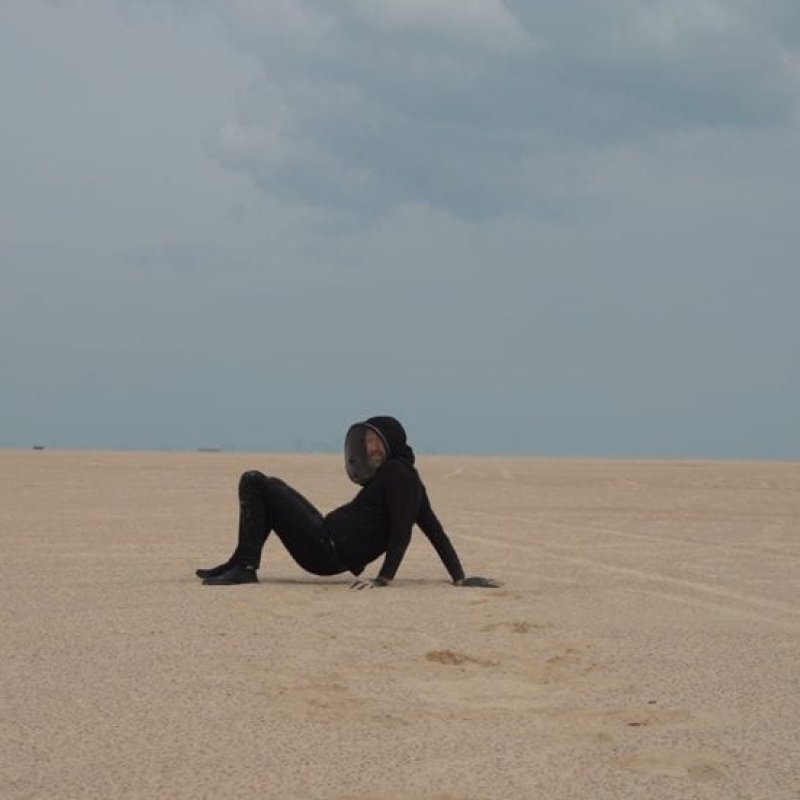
[
  {"x": 251, "y": 529},
  {"x": 300, "y": 527},
  {"x": 267, "y": 504},
  {"x": 254, "y": 527},
  {"x": 254, "y": 518}
]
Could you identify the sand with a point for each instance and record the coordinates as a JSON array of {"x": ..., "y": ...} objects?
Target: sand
[{"x": 646, "y": 642}]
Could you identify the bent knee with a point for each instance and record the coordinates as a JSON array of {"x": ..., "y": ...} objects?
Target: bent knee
[{"x": 252, "y": 479}]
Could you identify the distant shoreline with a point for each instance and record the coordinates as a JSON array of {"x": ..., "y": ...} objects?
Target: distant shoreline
[{"x": 210, "y": 450}]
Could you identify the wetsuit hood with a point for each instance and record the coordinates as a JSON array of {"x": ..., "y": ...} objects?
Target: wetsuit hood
[{"x": 393, "y": 436}]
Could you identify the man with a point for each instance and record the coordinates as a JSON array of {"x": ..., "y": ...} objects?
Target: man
[{"x": 378, "y": 521}]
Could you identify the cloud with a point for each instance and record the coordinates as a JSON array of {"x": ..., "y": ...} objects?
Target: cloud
[{"x": 482, "y": 108}]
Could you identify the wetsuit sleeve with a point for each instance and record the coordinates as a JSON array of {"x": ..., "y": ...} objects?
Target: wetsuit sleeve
[
  {"x": 429, "y": 524},
  {"x": 402, "y": 499}
]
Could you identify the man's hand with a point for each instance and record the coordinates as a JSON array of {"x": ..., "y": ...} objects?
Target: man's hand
[
  {"x": 483, "y": 583},
  {"x": 369, "y": 583}
]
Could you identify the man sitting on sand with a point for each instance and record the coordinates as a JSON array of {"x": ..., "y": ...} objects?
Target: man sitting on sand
[{"x": 378, "y": 521}]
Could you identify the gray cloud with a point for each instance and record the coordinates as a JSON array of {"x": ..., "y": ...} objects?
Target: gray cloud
[{"x": 480, "y": 108}]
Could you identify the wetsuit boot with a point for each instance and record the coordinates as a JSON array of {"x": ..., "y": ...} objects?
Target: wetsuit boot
[{"x": 235, "y": 575}]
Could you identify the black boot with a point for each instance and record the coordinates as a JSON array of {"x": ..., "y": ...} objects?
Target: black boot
[
  {"x": 234, "y": 575},
  {"x": 213, "y": 572}
]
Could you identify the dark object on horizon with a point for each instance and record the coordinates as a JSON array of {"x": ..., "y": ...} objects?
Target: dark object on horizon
[
  {"x": 38, "y": 447},
  {"x": 208, "y": 449}
]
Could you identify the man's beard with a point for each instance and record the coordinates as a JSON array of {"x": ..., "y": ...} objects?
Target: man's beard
[{"x": 375, "y": 461}]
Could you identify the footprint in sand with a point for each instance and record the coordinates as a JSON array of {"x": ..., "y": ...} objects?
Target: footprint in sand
[
  {"x": 517, "y": 627},
  {"x": 568, "y": 665},
  {"x": 457, "y": 659}
]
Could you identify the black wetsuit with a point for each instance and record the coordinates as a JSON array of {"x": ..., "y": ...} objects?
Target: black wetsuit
[{"x": 378, "y": 520}]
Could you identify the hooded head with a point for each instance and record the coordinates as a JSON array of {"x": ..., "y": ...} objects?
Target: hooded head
[{"x": 369, "y": 444}]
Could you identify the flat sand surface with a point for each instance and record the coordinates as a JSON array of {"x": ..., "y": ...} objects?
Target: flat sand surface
[{"x": 646, "y": 642}]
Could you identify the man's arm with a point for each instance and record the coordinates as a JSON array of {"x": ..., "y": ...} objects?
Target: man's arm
[
  {"x": 402, "y": 499},
  {"x": 429, "y": 524}
]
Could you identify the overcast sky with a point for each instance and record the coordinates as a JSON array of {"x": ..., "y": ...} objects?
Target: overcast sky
[{"x": 521, "y": 226}]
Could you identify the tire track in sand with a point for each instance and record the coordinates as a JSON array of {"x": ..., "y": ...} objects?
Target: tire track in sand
[{"x": 770, "y": 607}]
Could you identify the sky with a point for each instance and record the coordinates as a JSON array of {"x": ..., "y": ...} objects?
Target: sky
[{"x": 521, "y": 227}]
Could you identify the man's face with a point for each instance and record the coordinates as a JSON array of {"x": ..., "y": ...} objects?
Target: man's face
[{"x": 376, "y": 452}]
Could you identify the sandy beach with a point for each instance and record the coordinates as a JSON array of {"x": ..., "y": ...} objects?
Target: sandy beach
[{"x": 646, "y": 641}]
